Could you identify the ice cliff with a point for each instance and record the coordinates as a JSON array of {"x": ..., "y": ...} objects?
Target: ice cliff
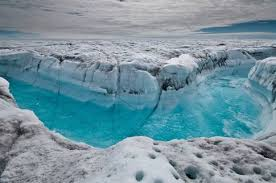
[
  {"x": 264, "y": 75},
  {"x": 127, "y": 70},
  {"x": 29, "y": 152}
]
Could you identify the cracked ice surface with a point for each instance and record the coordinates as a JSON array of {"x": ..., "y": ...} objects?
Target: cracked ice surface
[
  {"x": 120, "y": 69},
  {"x": 264, "y": 74}
]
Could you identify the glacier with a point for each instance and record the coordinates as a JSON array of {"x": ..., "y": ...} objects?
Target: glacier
[
  {"x": 88, "y": 67},
  {"x": 137, "y": 72}
]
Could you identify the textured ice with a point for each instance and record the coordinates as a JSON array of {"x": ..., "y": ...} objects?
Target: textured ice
[
  {"x": 110, "y": 68},
  {"x": 29, "y": 152},
  {"x": 264, "y": 74}
]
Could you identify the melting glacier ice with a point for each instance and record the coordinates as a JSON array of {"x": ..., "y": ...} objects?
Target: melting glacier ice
[{"x": 218, "y": 106}]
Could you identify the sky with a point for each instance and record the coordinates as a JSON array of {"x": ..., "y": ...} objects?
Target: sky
[{"x": 123, "y": 18}]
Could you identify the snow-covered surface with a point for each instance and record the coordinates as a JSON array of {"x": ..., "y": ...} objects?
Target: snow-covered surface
[
  {"x": 4, "y": 91},
  {"x": 140, "y": 69},
  {"x": 264, "y": 74},
  {"x": 29, "y": 152}
]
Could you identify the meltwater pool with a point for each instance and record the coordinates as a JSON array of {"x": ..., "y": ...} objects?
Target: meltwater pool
[{"x": 218, "y": 106}]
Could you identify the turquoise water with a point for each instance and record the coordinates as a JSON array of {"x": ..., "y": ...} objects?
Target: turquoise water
[{"x": 219, "y": 106}]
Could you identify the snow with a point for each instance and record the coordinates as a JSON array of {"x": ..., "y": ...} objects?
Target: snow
[
  {"x": 4, "y": 91},
  {"x": 178, "y": 72},
  {"x": 4, "y": 85},
  {"x": 29, "y": 152},
  {"x": 109, "y": 68},
  {"x": 264, "y": 74},
  {"x": 238, "y": 57},
  {"x": 139, "y": 84}
]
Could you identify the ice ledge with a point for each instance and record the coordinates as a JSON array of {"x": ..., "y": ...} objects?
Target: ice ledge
[
  {"x": 263, "y": 74},
  {"x": 138, "y": 76},
  {"x": 4, "y": 91}
]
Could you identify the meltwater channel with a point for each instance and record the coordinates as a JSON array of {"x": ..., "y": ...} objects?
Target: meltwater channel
[{"x": 218, "y": 106}]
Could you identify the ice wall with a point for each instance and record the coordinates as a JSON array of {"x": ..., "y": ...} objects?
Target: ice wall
[
  {"x": 264, "y": 73},
  {"x": 263, "y": 79},
  {"x": 105, "y": 80}
]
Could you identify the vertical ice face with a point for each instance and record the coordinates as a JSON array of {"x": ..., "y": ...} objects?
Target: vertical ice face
[
  {"x": 264, "y": 73},
  {"x": 178, "y": 72},
  {"x": 4, "y": 91},
  {"x": 137, "y": 87},
  {"x": 125, "y": 70}
]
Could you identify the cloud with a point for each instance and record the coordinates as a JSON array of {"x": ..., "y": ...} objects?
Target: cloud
[{"x": 129, "y": 17}]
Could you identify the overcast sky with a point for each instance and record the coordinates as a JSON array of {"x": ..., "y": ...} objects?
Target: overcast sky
[{"x": 139, "y": 18}]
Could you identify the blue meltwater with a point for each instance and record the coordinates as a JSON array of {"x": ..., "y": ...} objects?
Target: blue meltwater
[{"x": 218, "y": 106}]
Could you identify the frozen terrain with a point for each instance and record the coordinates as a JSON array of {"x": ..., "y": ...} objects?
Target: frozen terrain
[
  {"x": 219, "y": 105},
  {"x": 138, "y": 72},
  {"x": 120, "y": 69}
]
